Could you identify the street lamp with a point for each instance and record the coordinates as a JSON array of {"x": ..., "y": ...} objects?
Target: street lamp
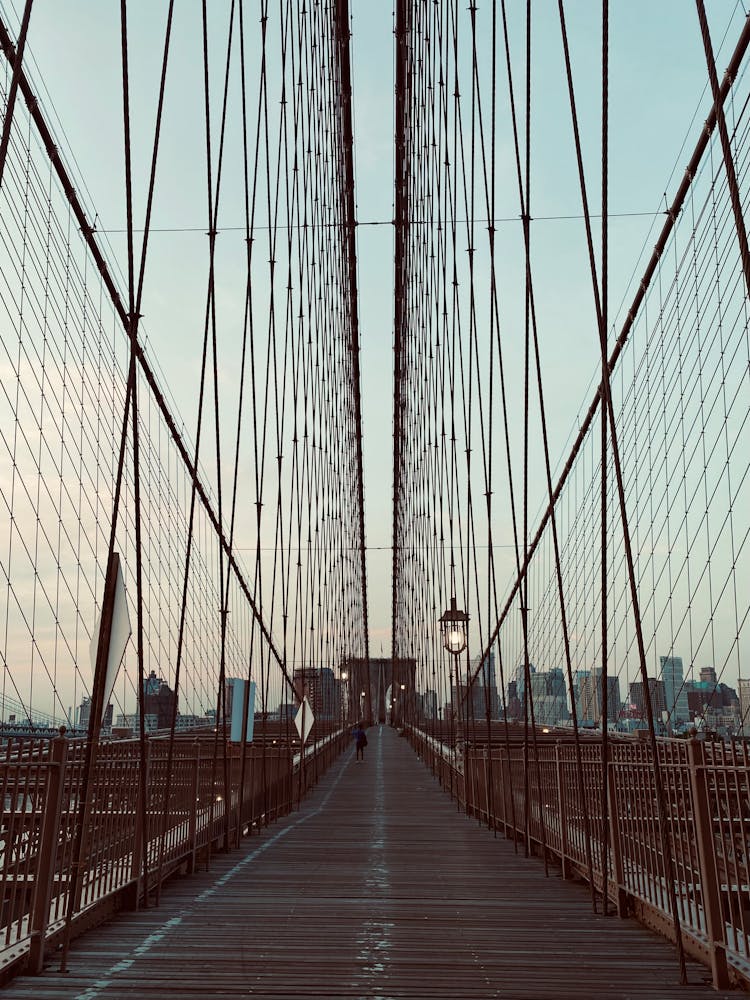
[
  {"x": 344, "y": 697},
  {"x": 454, "y": 622},
  {"x": 454, "y": 625}
]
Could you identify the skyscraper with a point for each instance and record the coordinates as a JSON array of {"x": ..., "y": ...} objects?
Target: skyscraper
[
  {"x": 159, "y": 700},
  {"x": 84, "y": 712},
  {"x": 430, "y": 704},
  {"x": 488, "y": 671},
  {"x": 743, "y": 689},
  {"x": 658, "y": 702},
  {"x": 521, "y": 681},
  {"x": 708, "y": 675},
  {"x": 487, "y": 675},
  {"x": 590, "y": 693},
  {"x": 675, "y": 692},
  {"x": 550, "y": 697},
  {"x": 319, "y": 684}
]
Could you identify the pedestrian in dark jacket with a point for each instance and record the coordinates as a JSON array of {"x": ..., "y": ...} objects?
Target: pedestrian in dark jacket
[{"x": 360, "y": 739}]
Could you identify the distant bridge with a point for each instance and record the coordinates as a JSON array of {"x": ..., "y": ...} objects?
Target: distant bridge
[{"x": 17, "y": 720}]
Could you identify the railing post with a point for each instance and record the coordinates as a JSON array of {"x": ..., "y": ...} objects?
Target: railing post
[
  {"x": 487, "y": 769},
  {"x": 233, "y": 803},
  {"x": 249, "y": 815},
  {"x": 468, "y": 780},
  {"x": 562, "y": 810},
  {"x": 505, "y": 775},
  {"x": 193, "y": 831},
  {"x": 526, "y": 804},
  {"x": 715, "y": 928},
  {"x": 138, "y": 845},
  {"x": 48, "y": 841},
  {"x": 474, "y": 779},
  {"x": 615, "y": 841}
]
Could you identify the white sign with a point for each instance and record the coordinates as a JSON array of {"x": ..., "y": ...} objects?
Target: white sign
[
  {"x": 118, "y": 639},
  {"x": 304, "y": 719},
  {"x": 236, "y": 689}
]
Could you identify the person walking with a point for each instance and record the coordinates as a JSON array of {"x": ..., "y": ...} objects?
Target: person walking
[{"x": 360, "y": 739}]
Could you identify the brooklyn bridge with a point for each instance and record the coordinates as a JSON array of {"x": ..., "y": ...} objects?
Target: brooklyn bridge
[{"x": 375, "y": 491}]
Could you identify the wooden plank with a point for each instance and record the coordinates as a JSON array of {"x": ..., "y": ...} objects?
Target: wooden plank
[{"x": 377, "y": 887}]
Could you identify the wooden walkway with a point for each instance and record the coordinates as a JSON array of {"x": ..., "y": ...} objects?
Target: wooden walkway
[{"x": 377, "y": 888}]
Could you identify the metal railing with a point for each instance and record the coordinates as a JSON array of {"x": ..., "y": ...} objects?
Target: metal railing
[
  {"x": 40, "y": 782},
  {"x": 707, "y": 791}
]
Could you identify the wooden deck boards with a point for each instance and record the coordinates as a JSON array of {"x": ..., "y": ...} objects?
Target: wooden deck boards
[{"x": 376, "y": 888}]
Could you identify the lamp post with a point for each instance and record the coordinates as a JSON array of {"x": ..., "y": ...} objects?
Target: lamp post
[
  {"x": 454, "y": 624},
  {"x": 344, "y": 698}
]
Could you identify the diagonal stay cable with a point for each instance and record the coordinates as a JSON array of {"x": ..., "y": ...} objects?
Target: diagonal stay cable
[{"x": 15, "y": 80}]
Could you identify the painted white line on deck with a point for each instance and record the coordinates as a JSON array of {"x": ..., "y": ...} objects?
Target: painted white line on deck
[{"x": 97, "y": 987}]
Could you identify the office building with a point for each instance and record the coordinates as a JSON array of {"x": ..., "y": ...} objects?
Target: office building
[
  {"x": 590, "y": 695},
  {"x": 548, "y": 690},
  {"x": 322, "y": 690},
  {"x": 84, "y": 712},
  {"x": 430, "y": 704},
  {"x": 658, "y": 701},
  {"x": 486, "y": 678},
  {"x": 743, "y": 687},
  {"x": 521, "y": 681},
  {"x": 513, "y": 706},
  {"x": 675, "y": 692},
  {"x": 708, "y": 675},
  {"x": 472, "y": 707}
]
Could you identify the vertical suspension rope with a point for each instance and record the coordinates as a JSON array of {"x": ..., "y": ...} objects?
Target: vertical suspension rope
[
  {"x": 521, "y": 573},
  {"x": 133, "y": 382},
  {"x": 635, "y": 604},
  {"x": 604, "y": 612}
]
